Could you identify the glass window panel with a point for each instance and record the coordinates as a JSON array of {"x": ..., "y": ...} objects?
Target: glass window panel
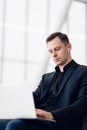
[
  {"x": 36, "y": 46},
  {"x": 15, "y": 12},
  {"x": 77, "y": 30},
  {"x": 77, "y": 18},
  {"x": 54, "y": 8},
  {"x": 13, "y": 72},
  {"x": 34, "y": 74},
  {"x": 14, "y": 44},
  {"x": 1, "y": 23},
  {"x": 79, "y": 50},
  {"x": 57, "y": 13},
  {"x": 37, "y": 13},
  {"x": 0, "y": 42},
  {"x": 1, "y": 10}
]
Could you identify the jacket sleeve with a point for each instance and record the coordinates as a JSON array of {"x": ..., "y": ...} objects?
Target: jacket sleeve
[
  {"x": 38, "y": 92},
  {"x": 42, "y": 88},
  {"x": 37, "y": 95}
]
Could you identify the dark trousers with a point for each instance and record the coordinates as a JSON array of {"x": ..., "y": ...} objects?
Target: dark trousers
[
  {"x": 3, "y": 123},
  {"x": 30, "y": 124}
]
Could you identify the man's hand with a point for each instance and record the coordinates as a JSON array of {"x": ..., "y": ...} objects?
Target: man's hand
[{"x": 44, "y": 114}]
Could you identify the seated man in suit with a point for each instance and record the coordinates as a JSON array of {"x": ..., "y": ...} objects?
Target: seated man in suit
[{"x": 62, "y": 94}]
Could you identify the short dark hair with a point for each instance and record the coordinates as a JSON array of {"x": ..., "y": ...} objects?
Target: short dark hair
[{"x": 63, "y": 37}]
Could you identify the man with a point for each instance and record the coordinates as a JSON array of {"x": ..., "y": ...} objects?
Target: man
[{"x": 62, "y": 94}]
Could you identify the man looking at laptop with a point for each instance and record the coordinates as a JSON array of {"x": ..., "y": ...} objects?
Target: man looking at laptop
[{"x": 62, "y": 94}]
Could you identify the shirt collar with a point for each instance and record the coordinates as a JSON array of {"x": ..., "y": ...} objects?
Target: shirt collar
[{"x": 70, "y": 64}]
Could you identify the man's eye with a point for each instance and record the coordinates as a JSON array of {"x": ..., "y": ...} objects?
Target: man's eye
[
  {"x": 50, "y": 51},
  {"x": 57, "y": 49}
]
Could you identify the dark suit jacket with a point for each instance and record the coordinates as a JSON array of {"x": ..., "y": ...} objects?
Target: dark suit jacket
[{"x": 72, "y": 97}]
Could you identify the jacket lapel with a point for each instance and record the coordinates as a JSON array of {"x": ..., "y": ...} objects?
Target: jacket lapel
[{"x": 66, "y": 77}]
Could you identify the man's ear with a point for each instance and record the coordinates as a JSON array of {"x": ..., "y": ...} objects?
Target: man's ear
[{"x": 69, "y": 47}]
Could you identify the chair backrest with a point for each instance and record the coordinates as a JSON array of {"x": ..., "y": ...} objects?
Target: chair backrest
[{"x": 84, "y": 123}]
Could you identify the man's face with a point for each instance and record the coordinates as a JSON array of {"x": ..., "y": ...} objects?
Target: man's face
[{"x": 60, "y": 53}]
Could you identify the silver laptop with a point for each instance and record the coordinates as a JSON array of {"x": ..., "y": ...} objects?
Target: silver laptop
[{"x": 16, "y": 101}]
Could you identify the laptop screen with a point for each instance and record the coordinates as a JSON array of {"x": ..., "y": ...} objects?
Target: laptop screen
[{"x": 16, "y": 101}]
